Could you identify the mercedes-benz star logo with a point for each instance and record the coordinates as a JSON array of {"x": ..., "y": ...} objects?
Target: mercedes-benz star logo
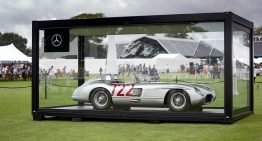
[{"x": 56, "y": 40}]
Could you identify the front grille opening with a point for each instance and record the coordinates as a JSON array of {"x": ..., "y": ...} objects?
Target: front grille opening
[{"x": 208, "y": 98}]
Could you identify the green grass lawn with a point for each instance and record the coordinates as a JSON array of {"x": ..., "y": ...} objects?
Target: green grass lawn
[{"x": 16, "y": 124}]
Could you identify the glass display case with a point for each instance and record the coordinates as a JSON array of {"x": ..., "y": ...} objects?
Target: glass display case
[{"x": 187, "y": 67}]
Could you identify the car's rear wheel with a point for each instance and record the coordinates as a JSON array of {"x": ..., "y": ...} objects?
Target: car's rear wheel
[
  {"x": 101, "y": 99},
  {"x": 178, "y": 101}
]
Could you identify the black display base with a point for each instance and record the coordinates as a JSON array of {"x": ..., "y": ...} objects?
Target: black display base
[
  {"x": 153, "y": 115},
  {"x": 196, "y": 109},
  {"x": 77, "y": 119}
]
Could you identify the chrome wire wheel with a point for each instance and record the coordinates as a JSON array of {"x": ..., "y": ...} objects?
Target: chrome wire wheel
[
  {"x": 178, "y": 100},
  {"x": 101, "y": 99}
]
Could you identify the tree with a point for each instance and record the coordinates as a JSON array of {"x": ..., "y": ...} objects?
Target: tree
[
  {"x": 258, "y": 31},
  {"x": 93, "y": 46},
  {"x": 88, "y": 16},
  {"x": 18, "y": 41},
  {"x": 182, "y": 31},
  {"x": 28, "y": 52}
]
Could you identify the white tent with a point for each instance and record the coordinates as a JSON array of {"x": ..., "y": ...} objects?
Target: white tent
[
  {"x": 11, "y": 53},
  {"x": 258, "y": 60},
  {"x": 172, "y": 62},
  {"x": 169, "y": 61}
]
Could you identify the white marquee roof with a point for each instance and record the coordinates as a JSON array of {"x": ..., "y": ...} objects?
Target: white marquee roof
[
  {"x": 169, "y": 56},
  {"x": 11, "y": 53}
]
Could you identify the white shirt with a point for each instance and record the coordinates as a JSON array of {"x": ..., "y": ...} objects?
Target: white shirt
[
  {"x": 255, "y": 72},
  {"x": 51, "y": 72}
]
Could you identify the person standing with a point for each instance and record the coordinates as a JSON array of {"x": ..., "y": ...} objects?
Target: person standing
[
  {"x": 154, "y": 74},
  {"x": 6, "y": 70},
  {"x": 100, "y": 71},
  {"x": 64, "y": 71},
  {"x": 255, "y": 74},
  {"x": 51, "y": 74},
  {"x": 1, "y": 72}
]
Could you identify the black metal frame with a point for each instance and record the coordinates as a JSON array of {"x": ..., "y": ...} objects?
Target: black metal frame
[{"x": 230, "y": 20}]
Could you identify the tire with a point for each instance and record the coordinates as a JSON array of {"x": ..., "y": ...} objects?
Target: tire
[
  {"x": 101, "y": 99},
  {"x": 178, "y": 101}
]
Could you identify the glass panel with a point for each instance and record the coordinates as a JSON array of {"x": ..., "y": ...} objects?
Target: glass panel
[
  {"x": 57, "y": 74},
  {"x": 164, "y": 67},
  {"x": 241, "y": 68},
  {"x": 148, "y": 66},
  {"x": 95, "y": 53}
]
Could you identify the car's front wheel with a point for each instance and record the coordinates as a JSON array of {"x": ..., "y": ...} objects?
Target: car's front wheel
[
  {"x": 101, "y": 99},
  {"x": 178, "y": 101}
]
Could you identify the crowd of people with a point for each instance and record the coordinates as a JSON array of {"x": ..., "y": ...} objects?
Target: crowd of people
[
  {"x": 214, "y": 70},
  {"x": 54, "y": 73},
  {"x": 202, "y": 70},
  {"x": 16, "y": 71},
  {"x": 141, "y": 72}
]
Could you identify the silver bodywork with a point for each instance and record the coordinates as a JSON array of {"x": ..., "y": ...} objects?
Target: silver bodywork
[{"x": 153, "y": 93}]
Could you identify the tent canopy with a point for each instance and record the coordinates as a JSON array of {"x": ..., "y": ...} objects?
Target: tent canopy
[
  {"x": 258, "y": 60},
  {"x": 169, "y": 56},
  {"x": 11, "y": 53},
  {"x": 170, "y": 61}
]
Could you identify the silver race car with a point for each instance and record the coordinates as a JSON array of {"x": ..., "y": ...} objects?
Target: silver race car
[{"x": 107, "y": 91}]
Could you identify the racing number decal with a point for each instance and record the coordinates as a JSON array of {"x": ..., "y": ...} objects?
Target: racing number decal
[
  {"x": 128, "y": 93},
  {"x": 119, "y": 92},
  {"x": 123, "y": 87}
]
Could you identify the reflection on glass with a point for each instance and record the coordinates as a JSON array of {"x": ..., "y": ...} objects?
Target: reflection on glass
[
  {"x": 158, "y": 54},
  {"x": 175, "y": 66},
  {"x": 57, "y": 74},
  {"x": 241, "y": 66}
]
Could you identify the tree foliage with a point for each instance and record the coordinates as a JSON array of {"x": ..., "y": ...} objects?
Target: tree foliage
[
  {"x": 183, "y": 32},
  {"x": 88, "y": 16},
  {"x": 258, "y": 31},
  {"x": 18, "y": 41},
  {"x": 93, "y": 44}
]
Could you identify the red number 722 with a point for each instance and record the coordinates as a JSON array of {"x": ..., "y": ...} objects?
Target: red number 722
[{"x": 123, "y": 87}]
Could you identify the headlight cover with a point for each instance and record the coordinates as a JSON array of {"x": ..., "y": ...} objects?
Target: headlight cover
[{"x": 199, "y": 92}]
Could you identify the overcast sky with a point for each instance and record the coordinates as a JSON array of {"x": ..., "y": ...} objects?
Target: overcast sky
[{"x": 17, "y": 15}]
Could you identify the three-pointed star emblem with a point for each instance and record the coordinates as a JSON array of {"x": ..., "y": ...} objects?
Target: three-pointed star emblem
[{"x": 56, "y": 40}]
